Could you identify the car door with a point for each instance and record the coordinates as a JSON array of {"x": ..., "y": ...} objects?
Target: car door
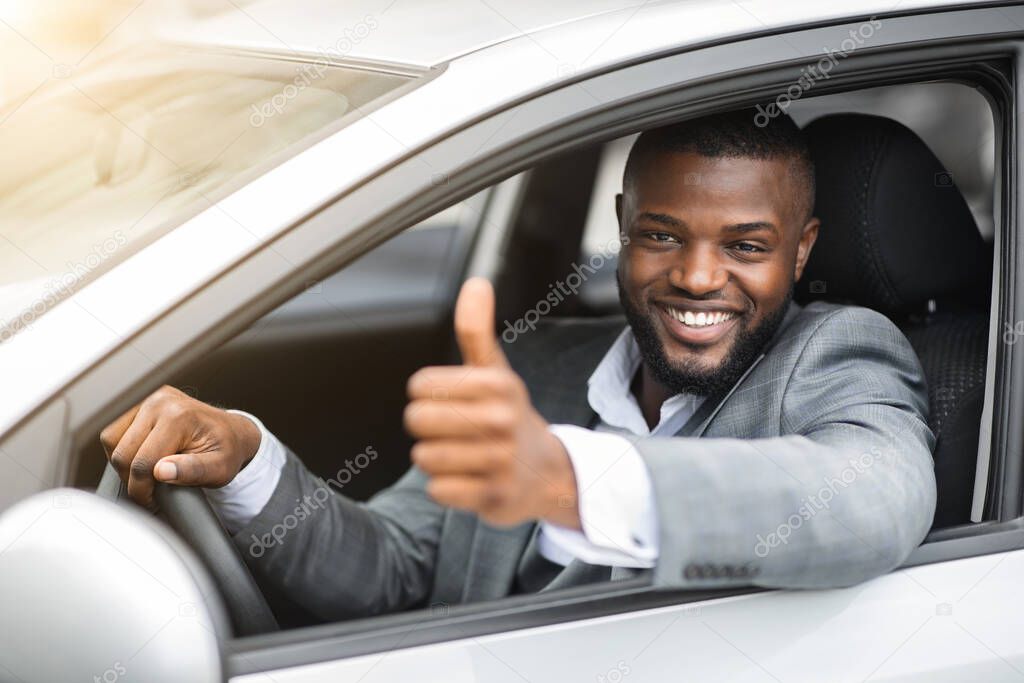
[
  {"x": 951, "y": 613},
  {"x": 946, "y": 615}
]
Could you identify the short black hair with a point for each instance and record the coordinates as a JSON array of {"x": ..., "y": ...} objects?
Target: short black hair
[{"x": 742, "y": 133}]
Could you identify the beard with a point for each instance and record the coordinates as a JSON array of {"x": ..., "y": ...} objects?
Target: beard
[{"x": 690, "y": 376}]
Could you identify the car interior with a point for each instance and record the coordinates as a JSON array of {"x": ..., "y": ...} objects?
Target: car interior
[{"x": 907, "y": 229}]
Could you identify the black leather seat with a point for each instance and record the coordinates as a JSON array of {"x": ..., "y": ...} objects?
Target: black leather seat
[{"x": 897, "y": 236}]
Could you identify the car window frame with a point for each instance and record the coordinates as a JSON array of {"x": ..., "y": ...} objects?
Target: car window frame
[{"x": 440, "y": 623}]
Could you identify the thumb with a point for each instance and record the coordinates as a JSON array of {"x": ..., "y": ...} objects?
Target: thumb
[
  {"x": 183, "y": 469},
  {"x": 474, "y": 325}
]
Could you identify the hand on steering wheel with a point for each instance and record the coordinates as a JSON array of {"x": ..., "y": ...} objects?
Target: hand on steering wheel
[
  {"x": 203, "y": 446},
  {"x": 173, "y": 438}
]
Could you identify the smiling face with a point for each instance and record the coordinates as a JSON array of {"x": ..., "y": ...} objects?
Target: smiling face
[{"x": 713, "y": 246}]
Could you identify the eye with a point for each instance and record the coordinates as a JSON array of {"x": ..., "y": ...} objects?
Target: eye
[
  {"x": 660, "y": 236},
  {"x": 748, "y": 248}
]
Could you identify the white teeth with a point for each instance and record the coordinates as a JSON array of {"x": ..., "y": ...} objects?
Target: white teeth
[{"x": 702, "y": 319}]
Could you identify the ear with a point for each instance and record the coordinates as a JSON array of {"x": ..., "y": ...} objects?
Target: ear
[
  {"x": 803, "y": 251},
  {"x": 618, "y": 211}
]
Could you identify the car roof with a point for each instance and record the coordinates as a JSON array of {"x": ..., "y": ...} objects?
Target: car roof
[
  {"x": 427, "y": 33},
  {"x": 421, "y": 33}
]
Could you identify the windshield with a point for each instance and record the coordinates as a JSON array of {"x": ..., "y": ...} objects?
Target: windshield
[{"x": 99, "y": 163}]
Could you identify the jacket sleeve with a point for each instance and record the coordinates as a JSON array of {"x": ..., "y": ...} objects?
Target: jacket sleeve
[
  {"x": 844, "y": 495},
  {"x": 336, "y": 559},
  {"x": 339, "y": 559}
]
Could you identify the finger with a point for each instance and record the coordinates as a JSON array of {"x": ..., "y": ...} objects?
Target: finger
[
  {"x": 161, "y": 442},
  {"x": 442, "y": 457},
  {"x": 474, "y": 325},
  {"x": 128, "y": 443},
  {"x": 428, "y": 419},
  {"x": 191, "y": 469},
  {"x": 113, "y": 432},
  {"x": 463, "y": 492},
  {"x": 459, "y": 382}
]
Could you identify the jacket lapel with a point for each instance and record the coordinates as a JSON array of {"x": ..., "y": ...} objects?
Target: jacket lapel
[
  {"x": 493, "y": 560},
  {"x": 709, "y": 409},
  {"x": 698, "y": 424}
]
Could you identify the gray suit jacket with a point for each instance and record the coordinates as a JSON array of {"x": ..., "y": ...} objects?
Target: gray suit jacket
[{"x": 814, "y": 470}]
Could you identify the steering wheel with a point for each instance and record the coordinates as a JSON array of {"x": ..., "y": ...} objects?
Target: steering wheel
[{"x": 190, "y": 515}]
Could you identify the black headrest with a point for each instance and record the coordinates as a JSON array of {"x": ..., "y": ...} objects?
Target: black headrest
[{"x": 895, "y": 230}]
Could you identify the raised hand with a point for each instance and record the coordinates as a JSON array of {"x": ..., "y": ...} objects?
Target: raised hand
[{"x": 479, "y": 438}]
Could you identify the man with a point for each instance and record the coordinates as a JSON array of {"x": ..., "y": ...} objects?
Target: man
[{"x": 812, "y": 467}]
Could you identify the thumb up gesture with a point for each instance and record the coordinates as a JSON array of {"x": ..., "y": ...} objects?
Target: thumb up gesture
[{"x": 479, "y": 438}]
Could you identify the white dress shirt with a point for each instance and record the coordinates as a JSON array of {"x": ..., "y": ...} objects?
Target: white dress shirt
[{"x": 616, "y": 500}]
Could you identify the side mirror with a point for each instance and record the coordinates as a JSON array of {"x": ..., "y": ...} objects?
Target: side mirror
[{"x": 93, "y": 591}]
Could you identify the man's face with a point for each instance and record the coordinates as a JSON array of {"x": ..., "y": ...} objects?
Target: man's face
[{"x": 714, "y": 247}]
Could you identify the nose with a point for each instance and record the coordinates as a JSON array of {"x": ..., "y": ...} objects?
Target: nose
[{"x": 699, "y": 270}]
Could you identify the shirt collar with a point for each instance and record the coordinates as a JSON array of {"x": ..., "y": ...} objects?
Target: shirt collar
[{"x": 609, "y": 394}]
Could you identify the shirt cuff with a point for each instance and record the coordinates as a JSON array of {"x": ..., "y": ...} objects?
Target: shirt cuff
[
  {"x": 616, "y": 503},
  {"x": 239, "y": 501}
]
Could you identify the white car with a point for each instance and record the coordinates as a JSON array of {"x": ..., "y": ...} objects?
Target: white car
[{"x": 273, "y": 208}]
